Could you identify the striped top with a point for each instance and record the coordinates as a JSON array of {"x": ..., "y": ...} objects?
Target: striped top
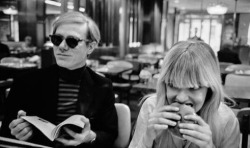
[{"x": 67, "y": 100}]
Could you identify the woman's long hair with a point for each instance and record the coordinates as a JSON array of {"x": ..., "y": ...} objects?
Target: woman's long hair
[{"x": 192, "y": 64}]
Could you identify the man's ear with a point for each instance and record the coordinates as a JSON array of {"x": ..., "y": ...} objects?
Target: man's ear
[{"x": 92, "y": 46}]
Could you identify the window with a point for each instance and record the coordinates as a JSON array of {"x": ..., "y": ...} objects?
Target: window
[{"x": 206, "y": 27}]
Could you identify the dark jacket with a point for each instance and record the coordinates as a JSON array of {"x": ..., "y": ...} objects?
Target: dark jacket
[{"x": 37, "y": 94}]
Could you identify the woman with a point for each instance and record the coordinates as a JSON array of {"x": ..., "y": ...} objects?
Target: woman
[{"x": 190, "y": 76}]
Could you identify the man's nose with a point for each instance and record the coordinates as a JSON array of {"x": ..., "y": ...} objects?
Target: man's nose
[
  {"x": 63, "y": 46},
  {"x": 182, "y": 96}
]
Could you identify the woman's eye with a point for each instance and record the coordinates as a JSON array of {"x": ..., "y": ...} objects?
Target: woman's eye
[
  {"x": 170, "y": 85},
  {"x": 194, "y": 88}
]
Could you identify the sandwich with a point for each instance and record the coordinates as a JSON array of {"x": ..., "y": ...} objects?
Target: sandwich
[{"x": 183, "y": 111}]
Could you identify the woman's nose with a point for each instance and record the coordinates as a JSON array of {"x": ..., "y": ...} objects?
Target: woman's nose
[{"x": 182, "y": 96}]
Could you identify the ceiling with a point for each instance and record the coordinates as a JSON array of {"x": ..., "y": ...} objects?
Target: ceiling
[{"x": 243, "y": 6}]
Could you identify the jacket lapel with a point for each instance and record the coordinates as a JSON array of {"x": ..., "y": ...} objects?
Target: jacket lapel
[{"x": 86, "y": 93}]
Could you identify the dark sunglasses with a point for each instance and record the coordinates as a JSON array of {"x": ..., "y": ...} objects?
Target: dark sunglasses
[{"x": 71, "y": 41}]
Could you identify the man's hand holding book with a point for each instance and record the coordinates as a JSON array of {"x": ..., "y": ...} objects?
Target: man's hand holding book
[{"x": 71, "y": 132}]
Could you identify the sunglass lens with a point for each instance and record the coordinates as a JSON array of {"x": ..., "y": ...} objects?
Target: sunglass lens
[
  {"x": 72, "y": 42},
  {"x": 56, "y": 40}
]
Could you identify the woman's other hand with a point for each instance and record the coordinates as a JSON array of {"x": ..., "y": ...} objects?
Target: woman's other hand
[{"x": 199, "y": 133}]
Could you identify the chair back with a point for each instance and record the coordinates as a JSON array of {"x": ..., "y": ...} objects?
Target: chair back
[
  {"x": 137, "y": 67},
  {"x": 124, "y": 125},
  {"x": 237, "y": 80},
  {"x": 133, "y": 75},
  {"x": 243, "y": 116}
]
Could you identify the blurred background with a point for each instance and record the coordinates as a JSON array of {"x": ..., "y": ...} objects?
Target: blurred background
[
  {"x": 133, "y": 23},
  {"x": 135, "y": 36}
]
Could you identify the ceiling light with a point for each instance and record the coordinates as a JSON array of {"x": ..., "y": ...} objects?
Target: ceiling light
[
  {"x": 53, "y": 3},
  {"x": 217, "y": 9},
  {"x": 10, "y": 11},
  {"x": 82, "y": 9},
  {"x": 176, "y": 1}
]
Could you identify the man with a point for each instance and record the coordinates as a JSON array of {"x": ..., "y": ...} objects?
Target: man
[
  {"x": 65, "y": 89},
  {"x": 27, "y": 46}
]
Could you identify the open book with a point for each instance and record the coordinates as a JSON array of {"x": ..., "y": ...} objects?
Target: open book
[{"x": 52, "y": 131}]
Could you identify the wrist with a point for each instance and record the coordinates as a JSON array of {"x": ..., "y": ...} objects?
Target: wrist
[{"x": 147, "y": 141}]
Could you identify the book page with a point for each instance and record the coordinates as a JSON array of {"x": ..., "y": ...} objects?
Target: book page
[
  {"x": 43, "y": 125},
  {"x": 72, "y": 120}
]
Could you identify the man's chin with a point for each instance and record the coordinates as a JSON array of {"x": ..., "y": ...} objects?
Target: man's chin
[
  {"x": 64, "y": 65},
  {"x": 69, "y": 65}
]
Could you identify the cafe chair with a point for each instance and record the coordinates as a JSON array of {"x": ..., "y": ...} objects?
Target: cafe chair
[
  {"x": 243, "y": 116},
  {"x": 121, "y": 86},
  {"x": 133, "y": 75},
  {"x": 124, "y": 125},
  {"x": 237, "y": 80}
]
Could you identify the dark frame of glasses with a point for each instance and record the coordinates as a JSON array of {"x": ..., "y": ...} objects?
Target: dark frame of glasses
[{"x": 71, "y": 41}]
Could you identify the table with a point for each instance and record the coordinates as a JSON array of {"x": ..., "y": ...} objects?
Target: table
[
  {"x": 107, "y": 70},
  {"x": 228, "y": 68},
  {"x": 10, "y": 70},
  {"x": 237, "y": 69},
  {"x": 8, "y": 142},
  {"x": 25, "y": 65}
]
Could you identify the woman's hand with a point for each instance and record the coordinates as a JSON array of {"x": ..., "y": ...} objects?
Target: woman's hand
[
  {"x": 199, "y": 134},
  {"x": 86, "y": 136},
  {"x": 21, "y": 129},
  {"x": 160, "y": 119}
]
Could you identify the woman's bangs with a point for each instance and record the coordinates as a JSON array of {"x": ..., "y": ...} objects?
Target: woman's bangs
[{"x": 185, "y": 72}]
